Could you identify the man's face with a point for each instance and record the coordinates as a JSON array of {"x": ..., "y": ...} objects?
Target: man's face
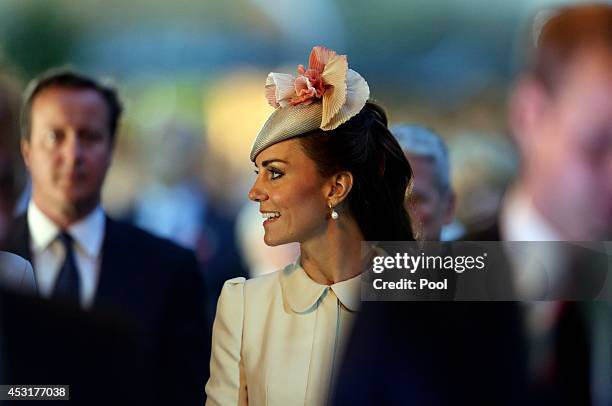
[
  {"x": 429, "y": 208},
  {"x": 570, "y": 156},
  {"x": 69, "y": 150}
]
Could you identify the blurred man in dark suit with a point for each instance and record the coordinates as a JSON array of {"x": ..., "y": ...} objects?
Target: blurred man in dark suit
[
  {"x": 84, "y": 258},
  {"x": 561, "y": 118},
  {"x": 560, "y": 115},
  {"x": 550, "y": 352},
  {"x": 47, "y": 342}
]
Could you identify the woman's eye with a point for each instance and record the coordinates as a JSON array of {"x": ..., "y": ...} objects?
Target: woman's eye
[{"x": 275, "y": 174}]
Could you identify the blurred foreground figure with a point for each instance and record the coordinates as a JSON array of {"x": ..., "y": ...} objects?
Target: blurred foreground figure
[
  {"x": 561, "y": 118},
  {"x": 424, "y": 353},
  {"x": 541, "y": 353},
  {"x": 84, "y": 259},
  {"x": 431, "y": 202},
  {"x": 432, "y": 353}
]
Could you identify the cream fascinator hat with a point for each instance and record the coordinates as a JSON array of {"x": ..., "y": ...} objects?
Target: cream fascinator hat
[{"x": 324, "y": 96}]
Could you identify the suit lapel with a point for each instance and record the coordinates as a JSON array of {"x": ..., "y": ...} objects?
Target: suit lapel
[{"x": 110, "y": 282}]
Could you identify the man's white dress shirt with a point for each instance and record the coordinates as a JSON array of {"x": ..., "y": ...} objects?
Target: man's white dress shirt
[{"x": 48, "y": 253}]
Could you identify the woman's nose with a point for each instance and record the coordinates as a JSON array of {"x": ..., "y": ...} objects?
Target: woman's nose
[{"x": 256, "y": 193}]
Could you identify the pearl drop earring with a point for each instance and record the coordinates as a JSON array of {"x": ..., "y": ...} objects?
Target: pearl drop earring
[{"x": 334, "y": 213}]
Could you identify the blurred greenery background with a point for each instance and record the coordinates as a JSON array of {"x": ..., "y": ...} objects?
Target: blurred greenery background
[{"x": 191, "y": 74}]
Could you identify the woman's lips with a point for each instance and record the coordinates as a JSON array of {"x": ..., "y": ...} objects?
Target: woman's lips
[{"x": 270, "y": 216}]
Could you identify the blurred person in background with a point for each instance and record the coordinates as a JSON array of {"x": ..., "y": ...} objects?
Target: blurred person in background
[
  {"x": 175, "y": 204},
  {"x": 431, "y": 200},
  {"x": 15, "y": 272},
  {"x": 86, "y": 259},
  {"x": 43, "y": 341},
  {"x": 483, "y": 166},
  {"x": 561, "y": 118},
  {"x": 12, "y": 170},
  {"x": 329, "y": 176},
  {"x": 172, "y": 203}
]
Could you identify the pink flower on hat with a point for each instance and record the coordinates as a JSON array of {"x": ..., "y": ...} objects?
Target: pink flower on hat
[
  {"x": 305, "y": 90},
  {"x": 341, "y": 91},
  {"x": 309, "y": 84}
]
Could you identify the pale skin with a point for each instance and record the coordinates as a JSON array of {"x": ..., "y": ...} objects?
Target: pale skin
[{"x": 288, "y": 184}]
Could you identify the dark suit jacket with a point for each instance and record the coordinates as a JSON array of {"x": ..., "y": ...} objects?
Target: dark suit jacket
[
  {"x": 588, "y": 267},
  {"x": 156, "y": 286},
  {"x": 434, "y": 353},
  {"x": 488, "y": 232},
  {"x": 51, "y": 343}
]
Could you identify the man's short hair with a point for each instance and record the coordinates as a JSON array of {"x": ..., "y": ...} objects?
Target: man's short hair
[
  {"x": 425, "y": 143},
  {"x": 67, "y": 78},
  {"x": 564, "y": 32}
]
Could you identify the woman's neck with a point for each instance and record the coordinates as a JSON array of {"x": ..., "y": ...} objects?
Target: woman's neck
[{"x": 334, "y": 256}]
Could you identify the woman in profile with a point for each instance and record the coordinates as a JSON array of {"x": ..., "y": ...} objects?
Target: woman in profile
[{"x": 329, "y": 176}]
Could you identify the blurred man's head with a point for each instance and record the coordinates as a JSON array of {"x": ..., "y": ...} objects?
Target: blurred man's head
[
  {"x": 561, "y": 115},
  {"x": 69, "y": 123},
  {"x": 431, "y": 203}
]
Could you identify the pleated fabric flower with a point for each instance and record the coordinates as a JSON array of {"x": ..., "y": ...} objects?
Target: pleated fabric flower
[{"x": 324, "y": 96}]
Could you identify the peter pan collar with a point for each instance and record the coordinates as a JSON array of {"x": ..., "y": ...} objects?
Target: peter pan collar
[{"x": 303, "y": 295}]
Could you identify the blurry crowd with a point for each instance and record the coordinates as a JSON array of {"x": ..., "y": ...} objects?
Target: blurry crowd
[{"x": 127, "y": 308}]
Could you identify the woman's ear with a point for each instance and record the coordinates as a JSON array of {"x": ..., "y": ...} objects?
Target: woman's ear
[{"x": 341, "y": 185}]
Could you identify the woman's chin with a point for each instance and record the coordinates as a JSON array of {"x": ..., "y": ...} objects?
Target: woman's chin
[
  {"x": 274, "y": 241},
  {"x": 271, "y": 242}
]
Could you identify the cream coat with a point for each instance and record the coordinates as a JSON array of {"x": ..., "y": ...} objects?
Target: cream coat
[{"x": 278, "y": 338}]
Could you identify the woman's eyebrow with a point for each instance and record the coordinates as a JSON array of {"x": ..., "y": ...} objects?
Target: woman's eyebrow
[{"x": 269, "y": 161}]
